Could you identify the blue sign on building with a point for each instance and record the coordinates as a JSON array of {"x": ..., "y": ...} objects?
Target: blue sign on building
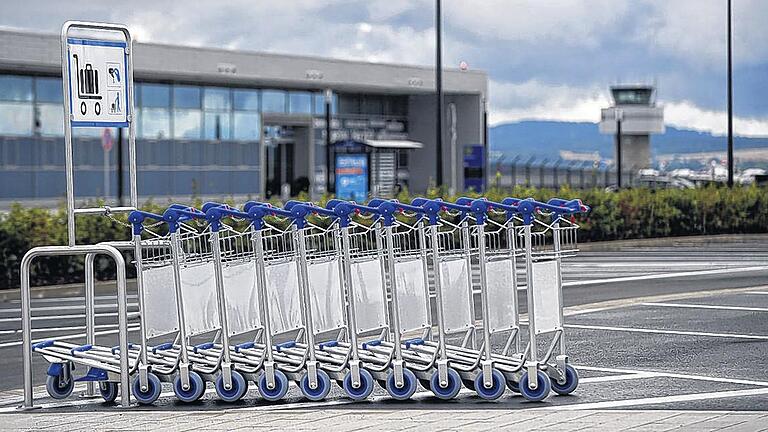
[
  {"x": 352, "y": 177},
  {"x": 474, "y": 167}
]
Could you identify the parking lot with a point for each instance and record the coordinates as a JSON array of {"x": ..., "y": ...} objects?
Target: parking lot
[{"x": 675, "y": 326}]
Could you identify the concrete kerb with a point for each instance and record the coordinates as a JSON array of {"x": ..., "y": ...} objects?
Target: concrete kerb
[{"x": 302, "y": 419}]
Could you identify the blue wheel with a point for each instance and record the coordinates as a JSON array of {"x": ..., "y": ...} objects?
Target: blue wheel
[
  {"x": 278, "y": 391},
  {"x": 514, "y": 386},
  {"x": 410, "y": 384},
  {"x": 362, "y": 391},
  {"x": 58, "y": 388},
  {"x": 321, "y": 391},
  {"x": 452, "y": 387},
  {"x": 194, "y": 392},
  {"x": 108, "y": 391},
  {"x": 150, "y": 395},
  {"x": 496, "y": 389},
  {"x": 571, "y": 381},
  {"x": 236, "y": 391},
  {"x": 541, "y": 392}
]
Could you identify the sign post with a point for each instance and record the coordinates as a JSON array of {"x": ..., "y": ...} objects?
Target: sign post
[
  {"x": 97, "y": 81},
  {"x": 97, "y": 78}
]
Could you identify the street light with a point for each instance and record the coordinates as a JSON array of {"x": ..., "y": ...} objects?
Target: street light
[
  {"x": 619, "y": 118},
  {"x": 730, "y": 101},
  {"x": 439, "y": 93}
]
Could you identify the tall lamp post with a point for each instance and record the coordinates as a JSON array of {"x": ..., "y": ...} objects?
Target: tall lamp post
[
  {"x": 328, "y": 100},
  {"x": 619, "y": 118},
  {"x": 730, "y": 101},
  {"x": 439, "y": 93}
]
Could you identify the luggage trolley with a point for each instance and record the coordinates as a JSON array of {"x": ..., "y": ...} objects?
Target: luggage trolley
[
  {"x": 366, "y": 266},
  {"x": 178, "y": 297},
  {"x": 305, "y": 273},
  {"x": 408, "y": 260},
  {"x": 492, "y": 245},
  {"x": 244, "y": 297},
  {"x": 545, "y": 244},
  {"x": 453, "y": 246}
]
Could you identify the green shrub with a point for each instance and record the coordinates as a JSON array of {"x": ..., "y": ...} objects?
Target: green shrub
[{"x": 627, "y": 214}]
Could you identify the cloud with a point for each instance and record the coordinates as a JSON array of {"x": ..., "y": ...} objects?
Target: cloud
[
  {"x": 550, "y": 59},
  {"x": 686, "y": 115},
  {"x": 533, "y": 100}
]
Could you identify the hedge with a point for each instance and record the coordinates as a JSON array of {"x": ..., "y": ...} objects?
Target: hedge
[{"x": 627, "y": 214}]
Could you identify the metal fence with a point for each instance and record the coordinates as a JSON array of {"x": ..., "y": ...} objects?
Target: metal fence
[{"x": 542, "y": 173}]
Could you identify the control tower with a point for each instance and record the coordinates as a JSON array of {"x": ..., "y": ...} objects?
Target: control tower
[{"x": 633, "y": 117}]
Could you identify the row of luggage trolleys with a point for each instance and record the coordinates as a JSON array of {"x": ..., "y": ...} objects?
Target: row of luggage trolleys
[{"x": 341, "y": 293}]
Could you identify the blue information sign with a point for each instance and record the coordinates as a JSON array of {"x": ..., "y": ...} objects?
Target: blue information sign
[{"x": 352, "y": 177}]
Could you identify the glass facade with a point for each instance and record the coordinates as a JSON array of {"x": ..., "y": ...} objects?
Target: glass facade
[{"x": 211, "y": 136}]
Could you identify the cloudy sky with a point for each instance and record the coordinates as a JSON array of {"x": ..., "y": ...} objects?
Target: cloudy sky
[{"x": 546, "y": 59}]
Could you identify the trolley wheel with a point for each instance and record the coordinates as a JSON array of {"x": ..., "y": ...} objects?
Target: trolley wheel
[
  {"x": 571, "y": 381},
  {"x": 452, "y": 387},
  {"x": 194, "y": 392},
  {"x": 514, "y": 386},
  {"x": 541, "y": 392},
  {"x": 321, "y": 391},
  {"x": 236, "y": 391},
  {"x": 276, "y": 393},
  {"x": 410, "y": 384},
  {"x": 57, "y": 388},
  {"x": 468, "y": 383},
  {"x": 363, "y": 390},
  {"x": 108, "y": 391},
  {"x": 150, "y": 395},
  {"x": 497, "y": 386}
]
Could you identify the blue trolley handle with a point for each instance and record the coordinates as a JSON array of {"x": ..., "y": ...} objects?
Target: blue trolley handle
[
  {"x": 301, "y": 210},
  {"x": 137, "y": 217},
  {"x": 529, "y": 206},
  {"x": 345, "y": 209},
  {"x": 388, "y": 208},
  {"x": 481, "y": 206},
  {"x": 178, "y": 213}
]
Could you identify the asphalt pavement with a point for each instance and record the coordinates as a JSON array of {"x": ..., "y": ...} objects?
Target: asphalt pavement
[{"x": 666, "y": 324}]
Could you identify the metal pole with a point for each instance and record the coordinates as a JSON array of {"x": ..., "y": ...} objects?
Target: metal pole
[
  {"x": 68, "y": 165},
  {"x": 328, "y": 97},
  {"x": 90, "y": 320},
  {"x": 439, "y": 93},
  {"x": 618, "y": 149},
  {"x": 485, "y": 145},
  {"x": 730, "y": 100},
  {"x": 120, "y": 167}
]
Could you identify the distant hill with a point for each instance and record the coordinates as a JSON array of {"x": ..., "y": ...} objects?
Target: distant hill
[{"x": 545, "y": 139}]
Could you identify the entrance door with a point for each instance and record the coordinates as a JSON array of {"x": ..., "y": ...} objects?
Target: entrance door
[
  {"x": 280, "y": 169},
  {"x": 287, "y": 155}
]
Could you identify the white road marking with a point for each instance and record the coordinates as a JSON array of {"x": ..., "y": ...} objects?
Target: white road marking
[
  {"x": 757, "y": 292},
  {"x": 70, "y": 299},
  {"x": 665, "y": 276},
  {"x": 131, "y": 327},
  {"x": 674, "y": 332},
  {"x": 700, "y": 306},
  {"x": 651, "y": 374},
  {"x": 63, "y": 308},
  {"x": 56, "y": 329},
  {"x": 664, "y": 399},
  {"x": 58, "y": 317}
]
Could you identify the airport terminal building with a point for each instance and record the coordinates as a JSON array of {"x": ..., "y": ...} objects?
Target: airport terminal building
[{"x": 215, "y": 123}]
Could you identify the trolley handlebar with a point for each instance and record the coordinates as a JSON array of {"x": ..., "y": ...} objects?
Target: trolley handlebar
[
  {"x": 137, "y": 217},
  {"x": 558, "y": 207},
  {"x": 345, "y": 209},
  {"x": 388, "y": 208},
  {"x": 177, "y": 213}
]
